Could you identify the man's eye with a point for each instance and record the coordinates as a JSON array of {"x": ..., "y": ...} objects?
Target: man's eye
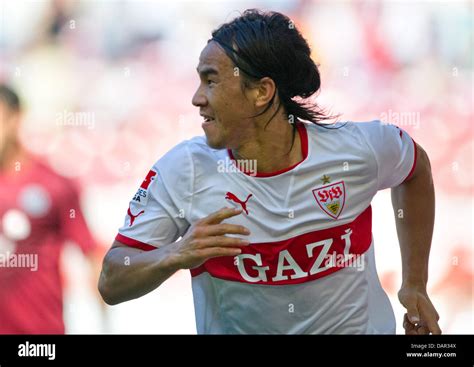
[{"x": 209, "y": 82}]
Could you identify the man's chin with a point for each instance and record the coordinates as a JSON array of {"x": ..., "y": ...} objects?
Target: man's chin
[
  {"x": 214, "y": 144},
  {"x": 213, "y": 140}
]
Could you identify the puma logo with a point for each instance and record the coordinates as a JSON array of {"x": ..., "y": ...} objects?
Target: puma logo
[
  {"x": 235, "y": 199},
  {"x": 133, "y": 217}
]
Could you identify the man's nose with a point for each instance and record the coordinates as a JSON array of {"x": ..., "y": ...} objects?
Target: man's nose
[{"x": 199, "y": 99}]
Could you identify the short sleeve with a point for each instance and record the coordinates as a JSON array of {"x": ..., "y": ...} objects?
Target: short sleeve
[
  {"x": 394, "y": 151},
  {"x": 156, "y": 213}
]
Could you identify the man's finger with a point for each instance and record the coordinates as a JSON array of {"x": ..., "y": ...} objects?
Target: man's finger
[
  {"x": 413, "y": 315},
  {"x": 220, "y": 215},
  {"x": 422, "y": 330},
  {"x": 430, "y": 317},
  {"x": 223, "y": 229},
  {"x": 221, "y": 241},
  {"x": 211, "y": 252},
  {"x": 410, "y": 329},
  {"x": 433, "y": 327}
]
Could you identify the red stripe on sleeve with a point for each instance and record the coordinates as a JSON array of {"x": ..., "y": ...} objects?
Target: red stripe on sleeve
[{"x": 134, "y": 243}]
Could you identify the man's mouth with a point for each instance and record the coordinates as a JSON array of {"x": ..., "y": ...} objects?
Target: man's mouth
[{"x": 208, "y": 120}]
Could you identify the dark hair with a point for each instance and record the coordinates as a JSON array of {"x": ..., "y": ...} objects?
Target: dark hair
[
  {"x": 267, "y": 44},
  {"x": 10, "y": 98}
]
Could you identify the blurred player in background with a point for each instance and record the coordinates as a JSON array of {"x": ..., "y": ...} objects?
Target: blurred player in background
[
  {"x": 303, "y": 258},
  {"x": 39, "y": 211}
]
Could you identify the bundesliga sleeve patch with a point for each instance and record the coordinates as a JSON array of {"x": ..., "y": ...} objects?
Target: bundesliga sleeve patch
[{"x": 141, "y": 197}]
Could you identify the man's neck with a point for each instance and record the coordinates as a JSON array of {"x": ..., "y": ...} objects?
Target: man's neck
[
  {"x": 272, "y": 148},
  {"x": 9, "y": 156}
]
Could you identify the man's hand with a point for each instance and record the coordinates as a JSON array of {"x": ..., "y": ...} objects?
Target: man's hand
[
  {"x": 421, "y": 317},
  {"x": 147, "y": 270},
  {"x": 206, "y": 239}
]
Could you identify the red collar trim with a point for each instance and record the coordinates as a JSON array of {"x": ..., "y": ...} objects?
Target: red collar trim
[{"x": 304, "y": 151}]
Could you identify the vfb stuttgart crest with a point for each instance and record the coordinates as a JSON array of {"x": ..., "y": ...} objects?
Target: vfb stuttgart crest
[{"x": 331, "y": 198}]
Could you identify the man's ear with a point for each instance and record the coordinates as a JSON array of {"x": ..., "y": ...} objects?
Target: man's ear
[{"x": 265, "y": 92}]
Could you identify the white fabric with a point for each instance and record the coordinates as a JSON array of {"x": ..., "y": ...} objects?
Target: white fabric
[{"x": 189, "y": 184}]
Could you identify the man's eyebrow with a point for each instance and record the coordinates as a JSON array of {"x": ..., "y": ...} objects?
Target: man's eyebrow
[{"x": 208, "y": 70}]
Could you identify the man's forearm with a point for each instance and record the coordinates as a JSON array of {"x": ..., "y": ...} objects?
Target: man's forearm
[
  {"x": 414, "y": 206},
  {"x": 129, "y": 273}
]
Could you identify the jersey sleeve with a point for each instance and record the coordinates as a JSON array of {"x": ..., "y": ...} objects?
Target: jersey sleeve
[
  {"x": 394, "y": 152},
  {"x": 72, "y": 223},
  {"x": 156, "y": 214}
]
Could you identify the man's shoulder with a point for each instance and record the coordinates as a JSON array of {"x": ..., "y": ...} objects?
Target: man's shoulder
[
  {"x": 343, "y": 126},
  {"x": 187, "y": 147},
  {"x": 39, "y": 170},
  {"x": 346, "y": 138},
  {"x": 193, "y": 145},
  {"x": 198, "y": 143},
  {"x": 343, "y": 132},
  {"x": 41, "y": 176},
  {"x": 188, "y": 153},
  {"x": 348, "y": 131}
]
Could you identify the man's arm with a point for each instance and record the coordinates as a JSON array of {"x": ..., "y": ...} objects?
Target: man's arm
[
  {"x": 414, "y": 206},
  {"x": 129, "y": 273}
]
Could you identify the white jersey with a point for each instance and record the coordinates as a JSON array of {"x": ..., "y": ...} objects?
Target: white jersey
[{"x": 310, "y": 266}]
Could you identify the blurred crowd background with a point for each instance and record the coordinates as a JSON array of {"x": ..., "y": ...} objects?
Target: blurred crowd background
[{"x": 107, "y": 87}]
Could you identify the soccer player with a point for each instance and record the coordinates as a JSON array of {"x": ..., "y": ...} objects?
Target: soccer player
[
  {"x": 39, "y": 211},
  {"x": 286, "y": 247}
]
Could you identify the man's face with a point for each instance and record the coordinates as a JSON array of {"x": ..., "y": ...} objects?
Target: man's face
[{"x": 222, "y": 103}]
